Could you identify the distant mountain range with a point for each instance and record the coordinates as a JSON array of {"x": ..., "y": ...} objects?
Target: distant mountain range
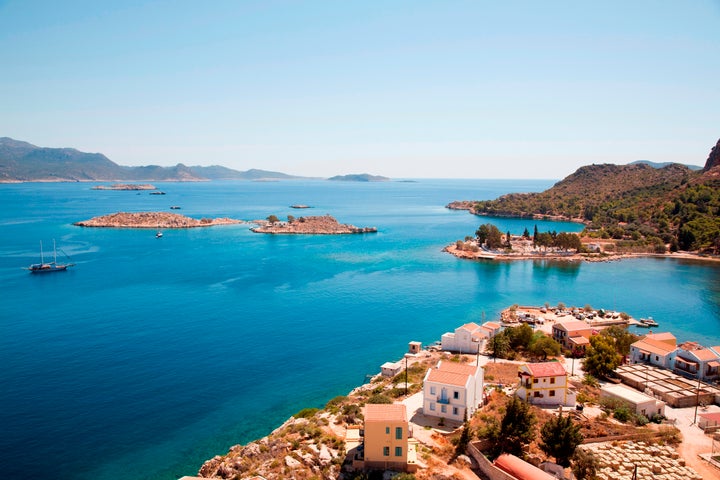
[
  {"x": 664, "y": 164},
  {"x": 24, "y": 162}
]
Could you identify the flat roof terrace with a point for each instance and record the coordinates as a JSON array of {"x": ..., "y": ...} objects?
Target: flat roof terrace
[{"x": 674, "y": 390}]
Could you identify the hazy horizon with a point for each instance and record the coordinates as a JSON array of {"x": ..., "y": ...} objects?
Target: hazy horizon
[{"x": 399, "y": 89}]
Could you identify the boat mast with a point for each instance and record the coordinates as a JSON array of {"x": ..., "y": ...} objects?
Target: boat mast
[
  {"x": 42, "y": 259},
  {"x": 54, "y": 252}
]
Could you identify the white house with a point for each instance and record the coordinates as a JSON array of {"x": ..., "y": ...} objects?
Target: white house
[
  {"x": 694, "y": 360},
  {"x": 452, "y": 390},
  {"x": 656, "y": 349},
  {"x": 545, "y": 384},
  {"x": 469, "y": 338},
  {"x": 640, "y": 403}
]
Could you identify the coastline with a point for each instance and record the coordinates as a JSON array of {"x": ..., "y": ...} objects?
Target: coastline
[{"x": 573, "y": 257}]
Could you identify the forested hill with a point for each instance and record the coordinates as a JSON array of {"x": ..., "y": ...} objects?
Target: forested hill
[
  {"x": 671, "y": 206},
  {"x": 24, "y": 162}
]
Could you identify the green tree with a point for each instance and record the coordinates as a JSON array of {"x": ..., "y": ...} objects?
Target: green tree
[
  {"x": 519, "y": 337},
  {"x": 499, "y": 345},
  {"x": 507, "y": 239},
  {"x": 290, "y": 218},
  {"x": 272, "y": 219},
  {"x": 517, "y": 429},
  {"x": 535, "y": 235},
  {"x": 601, "y": 358},
  {"x": 584, "y": 465},
  {"x": 490, "y": 235},
  {"x": 622, "y": 338},
  {"x": 544, "y": 347},
  {"x": 559, "y": 438},
  {"x": 464, "y": 440},
  {"x": 526, "y": 234}
]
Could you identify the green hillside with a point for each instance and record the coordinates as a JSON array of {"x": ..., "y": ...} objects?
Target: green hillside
[{"x": 643, "y": 206}]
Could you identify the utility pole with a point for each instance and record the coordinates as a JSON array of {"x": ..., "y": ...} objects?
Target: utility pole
[
  {"x": 697, "y": 398},
  {"x": 406, "y": 376}
]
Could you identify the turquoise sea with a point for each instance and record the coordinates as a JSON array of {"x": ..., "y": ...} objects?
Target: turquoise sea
[{"x": 153, "y": 355}]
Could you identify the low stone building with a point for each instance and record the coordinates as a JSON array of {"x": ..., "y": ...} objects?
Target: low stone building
[{"x": 638, "y": 402}]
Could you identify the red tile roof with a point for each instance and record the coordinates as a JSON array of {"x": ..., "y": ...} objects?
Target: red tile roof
[{"x": 546, "y": 369}]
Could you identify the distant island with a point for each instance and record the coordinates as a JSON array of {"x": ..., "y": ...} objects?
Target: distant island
[
  {"x": 153, "y": 220},
  {"x": 125, "y": 186},
  {"x": 358, "y": 177},
  {"x": 321, "y": 225},
  {"x": 634, "y": 209}
]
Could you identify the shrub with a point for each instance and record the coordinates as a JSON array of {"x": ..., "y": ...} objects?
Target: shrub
[
  {"x": 622, "y": 414},
  {"x": 379, "y": 398},
  {"x": 306, "y": 413}
]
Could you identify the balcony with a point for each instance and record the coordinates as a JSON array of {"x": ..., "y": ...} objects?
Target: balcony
[{"x": 443, "y": 400}]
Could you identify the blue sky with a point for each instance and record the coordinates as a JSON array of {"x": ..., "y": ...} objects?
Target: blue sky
[{"x": 452, "y": 89}]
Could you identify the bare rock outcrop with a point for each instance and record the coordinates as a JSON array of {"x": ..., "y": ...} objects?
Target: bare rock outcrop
[
  {"x": 152, "y": 220},
  {"x": 321, "y": 225}
]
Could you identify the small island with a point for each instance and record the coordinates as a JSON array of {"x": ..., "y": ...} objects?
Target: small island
[
  {"x": 321, "y": 225},
  {"x": 125, "y": 186},
  {"x": 358, "y": 177},
  {"x": 153, "y": 220}
]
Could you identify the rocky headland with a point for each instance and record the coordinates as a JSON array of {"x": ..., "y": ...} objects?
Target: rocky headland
[
  {"x": 125, "y": 186},
  {"x": 321, "y": 225},
  {"x": 153, "y": 220}
]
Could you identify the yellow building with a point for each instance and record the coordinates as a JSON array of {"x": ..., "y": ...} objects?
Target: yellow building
[
  {"x": 545, "y": 384},
  {"x": 388, "y": 438}
]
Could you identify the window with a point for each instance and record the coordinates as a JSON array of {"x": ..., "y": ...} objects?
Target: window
[
  {"x": 386, "y": 451},
  {"x": 432, "y": 406},
  {"x": 398, "y": 451},
  {"x": 535, "y": 380},
  {"x": 552, "y": 393},
  {"x": 456, "y": 395},
  {"x": 398, "y": 433},
  {"x": 443, "y": 408},
  {"x": 455, "y": 411},
  {"x": 432, "y": 390},
  {"x": 537, "y": 394},
  {"x": 657, "y": 358},
  {"x": 387, "y": 430},
  {"x": 552, "y": 380}
]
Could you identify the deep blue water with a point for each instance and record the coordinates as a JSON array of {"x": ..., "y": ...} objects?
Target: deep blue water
[{"x": 153, "y": 355}]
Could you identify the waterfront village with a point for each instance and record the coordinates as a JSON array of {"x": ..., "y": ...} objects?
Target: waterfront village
[{"x": 512, "y": 399}]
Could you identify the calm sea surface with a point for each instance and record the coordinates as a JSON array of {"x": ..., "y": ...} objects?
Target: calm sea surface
[{"x": 153, "y": 355}]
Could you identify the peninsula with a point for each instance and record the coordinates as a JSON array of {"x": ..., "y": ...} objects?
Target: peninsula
[
  {"x": 321, "y": 225},
  {"x": 153, "y": 220}
]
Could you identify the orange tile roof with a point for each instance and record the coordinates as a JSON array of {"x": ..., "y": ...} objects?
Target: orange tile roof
[
  {"x": 546, "y": 369},
  {"x": 663, "y": 337},
  {"x": 491, "y": 325},
  {"x": 385, "y": 412},
  {"x": 448, "y": 378},
  {"x": 651, "y": 345},
  {"x": 572, "y": 326},
  {"x": 579, "y": 340},
  {"x": 472, "y": 326},
  {"x": 453, "y": 367},
  {"x": 705, "y": 354}
]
